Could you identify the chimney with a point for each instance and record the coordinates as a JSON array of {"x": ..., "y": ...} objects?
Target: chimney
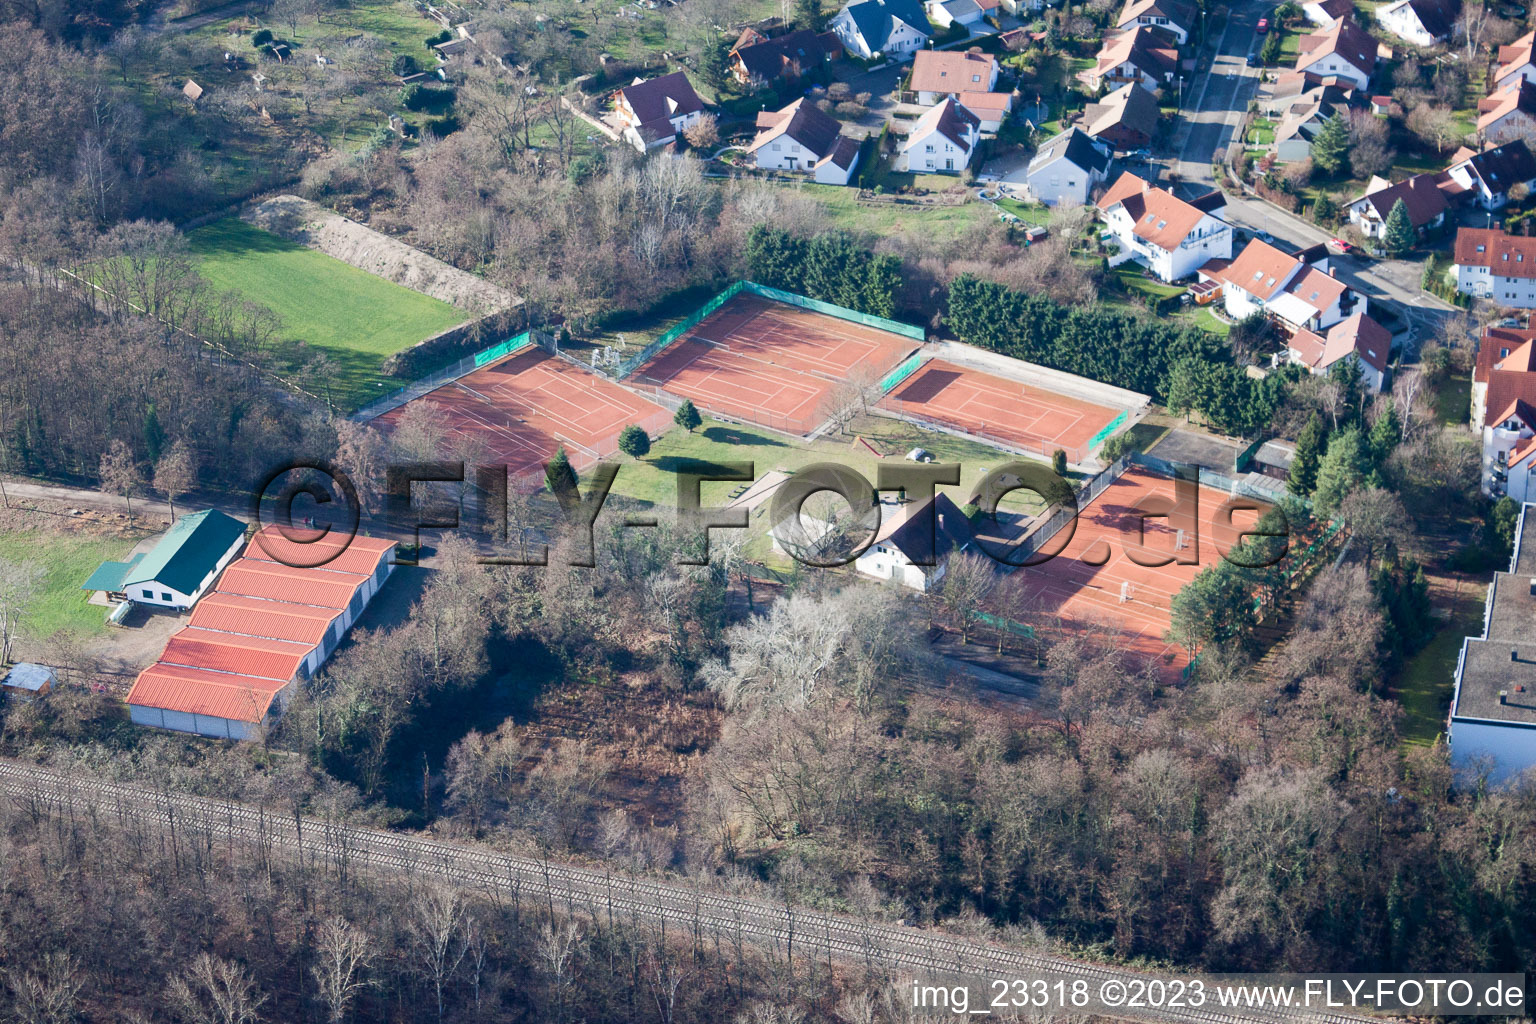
[
  {"x": 1333, "y": 272},
  {"x": 1514, "y": 654},
  {"x": 1533, "y": 586},
  {"x": 941, "y": 520},
  {"x": 1503, "y": 697}
]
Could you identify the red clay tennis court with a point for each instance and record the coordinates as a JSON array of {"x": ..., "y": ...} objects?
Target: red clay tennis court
[
  {"x": 531, "y": 402},
  {"x": 1000, "y": 409},
  {"x": 1134, "y": 599},
  {"x": 772, "y": 363}
]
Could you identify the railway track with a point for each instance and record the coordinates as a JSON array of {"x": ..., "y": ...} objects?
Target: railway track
[{"x": 901, "y": 951}]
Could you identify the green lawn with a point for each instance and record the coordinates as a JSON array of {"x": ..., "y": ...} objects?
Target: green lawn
[
  {"x": 1261, "y": 132},
  {"x": 67, "y": 559},
  {"x": 1204, "y": 319},
  {"x": 1025, "y": 212},
  {"x": 355, "y": 319},
  {"x": 1453, "y": 400},
  {"x": 653, "y": 479},
  {"x": 1132, "y": 278},
  {"x": 842, "y": 209},
  {"x": 1428, "y": 679}
]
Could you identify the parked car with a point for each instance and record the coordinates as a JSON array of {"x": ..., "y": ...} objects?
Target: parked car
[
  {"x": 1263, "y": 25},
  {"x": 1253, "y": 60},
  {"x": 1340, "y": 246}
]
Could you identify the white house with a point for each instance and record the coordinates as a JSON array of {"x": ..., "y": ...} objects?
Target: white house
[
  {"x": 1420, "y": 22},
  {"x": 1501, "y": 351},
  {"x": 1068, "y": 168},
  {"x": 179, "y": 568},
  {"x": 803, "y": 138},
  {"x": 1518, "y": 59},
  {"x": 1489, "y": 264},
  {"x": 270, "y": 625},
  {"x": 1303, "y": 116},
  {"x": 895, "y": 29},
  {"x": 653, "y": 112},
  {"x": 942, "y": 141},
  {"x": 1491, "y": 174},
  {"x": 1299, "y": 290},
  {"x": 1173, "y": 238},
  {"x": 1345, "y": 50},
  {"x": 1421, "y": 194},
  {"x": 915, "y": 542},
  {"x": 1492, "y": 724},
  {"x": 1328, "y": 12},
  {"x": 1504, "y": 409},
  {"x": 1359, "y": 338},
  {"x": 1509, "y": 112},
  {"x": 1173, "y": 19},
  {"x": 948, "y": 13}
]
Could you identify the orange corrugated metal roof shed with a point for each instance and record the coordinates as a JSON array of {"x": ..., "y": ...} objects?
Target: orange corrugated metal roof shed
[
  {"x": 232, "y": 652},
  {"x": 256, "y": 578},
  {"x": 332, "y": 551},
  {"x": 200, "y": 692},
  {"x": 280, "y": 620}
]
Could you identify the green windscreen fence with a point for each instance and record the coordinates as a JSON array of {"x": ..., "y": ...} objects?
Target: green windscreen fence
[
  {"x": 841, "y": 312},
  {"x": 907, "y": 368},
  {"x": 506, "y": 348},
  {"x": 689, "y": 322},
  {"x": 1109, "y": 428},
  {"x": 1006, "y": 625}
]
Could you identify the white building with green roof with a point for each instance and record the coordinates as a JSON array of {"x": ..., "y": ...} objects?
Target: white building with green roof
[{"x": 181, "y": 565}]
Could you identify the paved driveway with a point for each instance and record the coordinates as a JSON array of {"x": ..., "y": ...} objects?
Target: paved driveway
[{"x": 881, "y": 86}]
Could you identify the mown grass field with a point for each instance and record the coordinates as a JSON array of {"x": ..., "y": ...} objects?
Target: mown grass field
[
  {"x": 1428, "y": 679},
  {"x": 355, "y": 319},
  {"x": 66, "y": 560}
]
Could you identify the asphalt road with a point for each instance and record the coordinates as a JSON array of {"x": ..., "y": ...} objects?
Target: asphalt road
[{"x": 1218, "y": 97}]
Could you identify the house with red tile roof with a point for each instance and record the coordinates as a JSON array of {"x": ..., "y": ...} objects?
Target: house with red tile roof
[
  {"x": 1139, "y": 56},
  {"x": 1297, "y": 290},
  {"x": 276, "y": 614},
  {"x": 1423, "y": 194},
  {"x": 1509, "y": 112},
  {"x": 1504, "y": 410},
  {"x": 1344, "y": 50},
  {"x": 1171, "y": 237},
  {"x": 1488, "y": 264},
  {"x": 1126, "y": 118},
  {"x": 1358, "y": 337},
  {"x": 970, "y": 77},
  {"x": 756, "y": 60},
  {"x": 1517, "y": 59}
]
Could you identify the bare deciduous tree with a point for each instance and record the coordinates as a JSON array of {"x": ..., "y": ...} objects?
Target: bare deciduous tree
[
  {"x": 175, "y": 473},
  {"x": 120, "y": 474},
  {"x": 343, "y": 953},
  {"x": 215, "y": 991}
]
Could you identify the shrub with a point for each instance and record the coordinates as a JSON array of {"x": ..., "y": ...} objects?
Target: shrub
[
  {"x": 420, "y": 97},
  {"x": 404, "y": 65},
  {"x": 261, "y": 37},
  {"x": 442, "y": 37},
  {"x": 633, "y": 441},
  {"x": 445, "y": 126}
]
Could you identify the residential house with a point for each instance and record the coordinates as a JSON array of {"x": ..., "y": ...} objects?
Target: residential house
[
  {"x": 1068, "y": 168},
  {"x": 1490, "y": 175},
  {"x": 1492, "y": 725},
  {"x": 1140, "y": 56},
  {"x": 942, "y": 141},
  {"x": 969, "y": 77},
  {"x": 1423, "y": 194},
  {"x": 1303, "y": 118},
  {"x": 1327, "y": 13},
  {"x": 654, "y": 112},
  {"x": 1297, "y": 290},
  {"x": 803, "y": 138},
  {"x": 1488, "y": 264},
  {"x": 179, "y": 568},
  {"x": 757, "y": 60},
  {"x": 1504, "y": 411},
  {"x": 915, "y": 541},
  {"x": 895, "y": 29},
  {"x": 1171, "y": 237},
  {"x": 946, "y": 74},
  {"x": 1509, "y": 113},
  {"x": 1126, "y": 119},
  {"x": 946, "y": 14},
  {"x": 1173, "y": 19},
  {"x": 1420, "y": 22},
  {"x": 1344, "y": 50},
  {"x": 1359, "y": 338},
  {"x": 1518, "y": 59},
  {"x": 1501, "y": 350}
]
